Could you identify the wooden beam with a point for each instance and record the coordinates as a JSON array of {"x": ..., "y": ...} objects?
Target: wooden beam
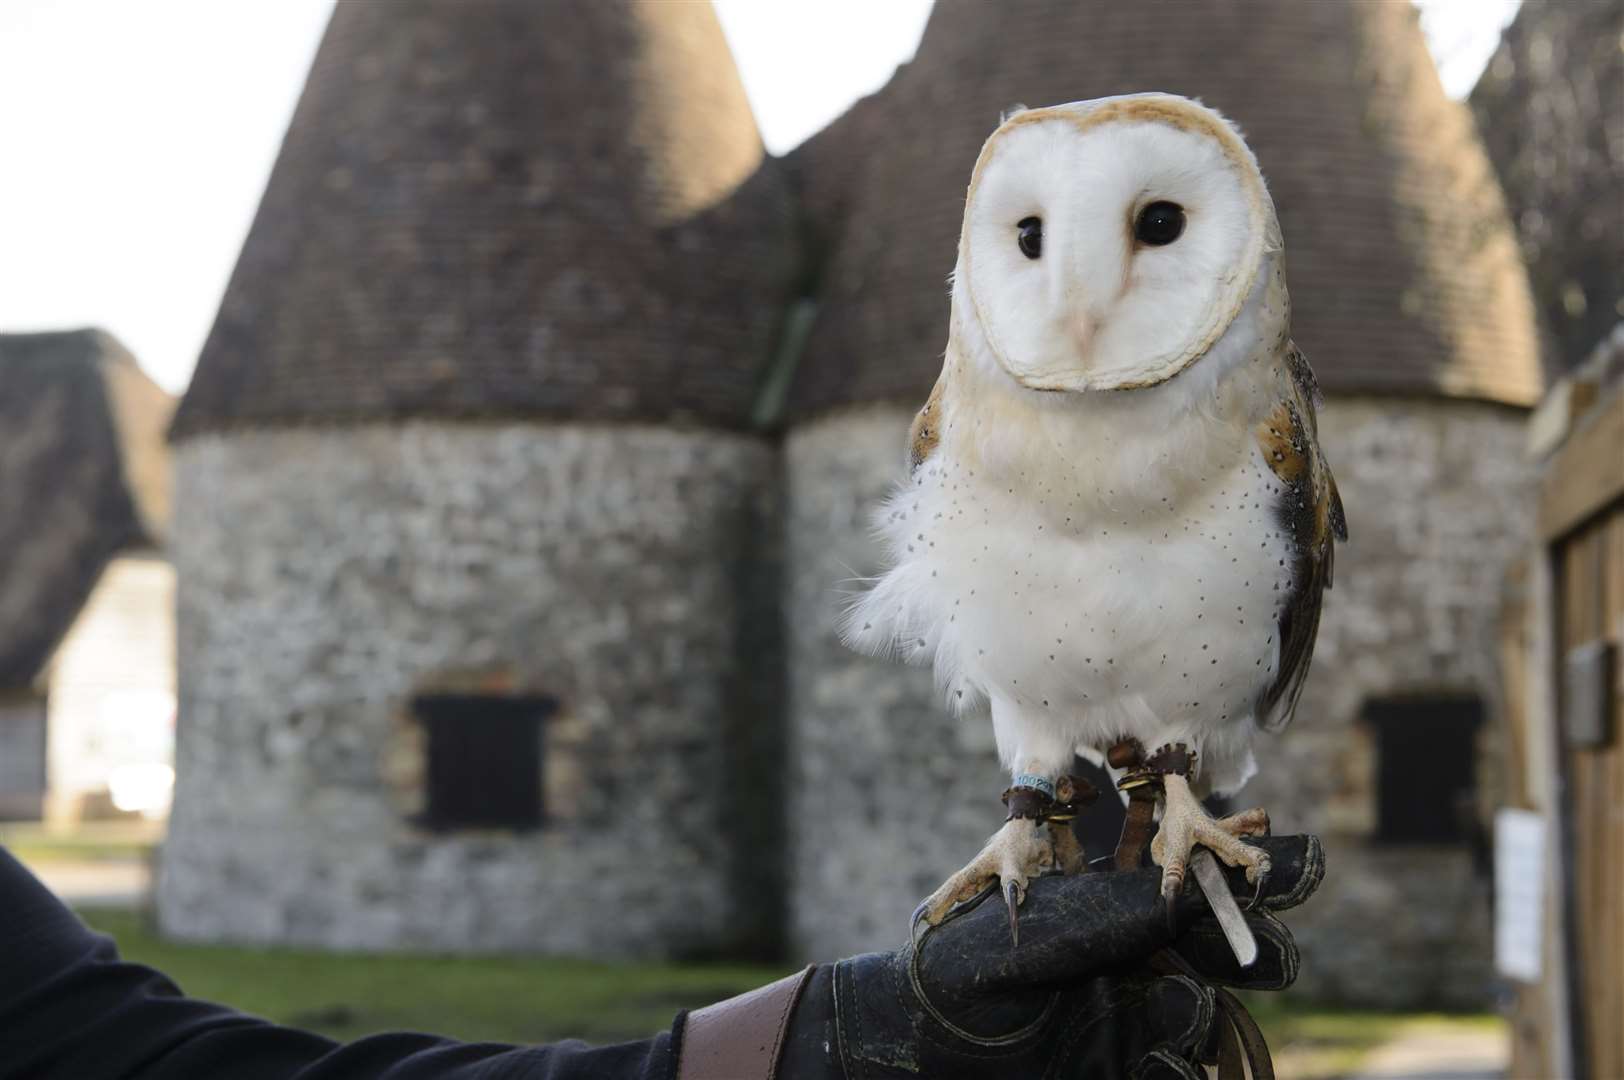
[{"x": 1587, "y": 474}]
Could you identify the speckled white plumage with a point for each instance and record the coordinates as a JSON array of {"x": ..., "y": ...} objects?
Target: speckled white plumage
[{"x": 1091, "y": 541}]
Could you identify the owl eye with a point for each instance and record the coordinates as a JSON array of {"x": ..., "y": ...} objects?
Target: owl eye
[
  {"x": 1030, "y": 238},
  {"x": 1159, "y": 224}
]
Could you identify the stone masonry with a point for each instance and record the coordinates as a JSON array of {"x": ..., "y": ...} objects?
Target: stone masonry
[
  {"x": 1440, "y": 498},
  {"x": 331, "y": 574},
  {"x": 887, "y": 792}
]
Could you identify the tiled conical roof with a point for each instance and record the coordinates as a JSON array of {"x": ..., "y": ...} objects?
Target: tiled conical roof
[
  {"x": 507, "y": 207},
  {"x": 1403, "y": 269},
  {"x": 1550, "y": 106},
  {"x": 84, "y": 474}
]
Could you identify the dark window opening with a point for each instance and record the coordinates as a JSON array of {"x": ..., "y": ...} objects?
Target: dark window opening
[
  {"x": 483, "y": 764},
  {"x": 22, "y": 756},
  {"x": 1426, "y": 768}
]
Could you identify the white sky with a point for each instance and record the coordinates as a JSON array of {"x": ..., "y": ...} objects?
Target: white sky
[{"x": 136, "y": 135}]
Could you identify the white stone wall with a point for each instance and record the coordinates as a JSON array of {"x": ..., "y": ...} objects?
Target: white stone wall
[
  {"x": 893, "y": 795},
  {"x": 327, "y": 575},
  {"x": 887, "y": 792},
  {"x": 111, "y": 691}
]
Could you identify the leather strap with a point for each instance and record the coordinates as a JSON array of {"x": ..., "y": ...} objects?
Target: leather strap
[
  {"x": 1140, "y": 821},
  {"x": 1240, "y": 1038},
  {"x": 740, "y": 1038},
  {"x": 1026, "y": 802},
  {"x": 1242, "y": 1050},
  {"x": 1138, "y": 825}
]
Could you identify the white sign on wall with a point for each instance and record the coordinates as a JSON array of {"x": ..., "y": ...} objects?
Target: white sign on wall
[{"x": 1519, "y": 892}]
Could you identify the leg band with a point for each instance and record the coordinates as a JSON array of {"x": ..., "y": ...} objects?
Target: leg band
[
  {"x": 1033, "y": 781},
  {"x": 1026, "y": 802}
]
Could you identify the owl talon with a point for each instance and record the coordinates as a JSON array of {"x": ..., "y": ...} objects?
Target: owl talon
[
  {"x": 1186, "y": 823},
  {"x": 913, "y": 923},
  {"x": 1262, "y": 881},
  {"x": 1015, "y": 854},
  {"x": 1012, "y": 897}
]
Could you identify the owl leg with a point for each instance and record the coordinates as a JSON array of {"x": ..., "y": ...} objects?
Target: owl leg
[
  {"x": 1072, "y": 793},
  {"x": 1186, "y": 823},
  {"x": 1017, "y": 852},
  {"x": 1068, "y": 850}
]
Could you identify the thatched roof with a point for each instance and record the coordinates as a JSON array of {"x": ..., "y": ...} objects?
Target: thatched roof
[
  {"x": 1403, "y": 270},
  {"x": 1550, "y": 106},
  {"x": 509, "y": 207},
  {"x": 84, "y": 474}
]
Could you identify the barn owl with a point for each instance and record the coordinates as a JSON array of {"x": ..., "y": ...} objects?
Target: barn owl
[{"x": 1117, "y": 523}]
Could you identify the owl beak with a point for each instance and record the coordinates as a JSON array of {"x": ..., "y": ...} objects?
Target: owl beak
[
  {"x": 1073, "y": 372},
  {"x": 1082, "y": 332}
]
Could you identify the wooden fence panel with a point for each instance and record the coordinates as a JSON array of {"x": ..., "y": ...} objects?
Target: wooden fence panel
[{"x": 1591, "y": 567}]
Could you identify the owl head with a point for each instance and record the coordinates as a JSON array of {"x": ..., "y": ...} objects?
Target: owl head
[{"x": 1107, "y": 245}]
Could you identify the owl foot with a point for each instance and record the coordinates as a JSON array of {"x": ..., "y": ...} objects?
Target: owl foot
[
  {"x": 1186, "y": 823},
  {"x": 1016, "y": 853}
]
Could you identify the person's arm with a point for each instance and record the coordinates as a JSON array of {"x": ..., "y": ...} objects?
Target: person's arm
[
  {"x": 1100, "y": 985},
  {"x": 70, "y": 1008}
]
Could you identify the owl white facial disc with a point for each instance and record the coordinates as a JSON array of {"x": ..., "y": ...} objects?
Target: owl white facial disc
[{"x": 1108, "y": 244}]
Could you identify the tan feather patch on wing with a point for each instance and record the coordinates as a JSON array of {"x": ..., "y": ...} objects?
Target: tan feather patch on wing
[
  {"x": 926, "y": 430},
  {"x": 1285, "y": 442},
  {"x": 1309, "y": 510}
]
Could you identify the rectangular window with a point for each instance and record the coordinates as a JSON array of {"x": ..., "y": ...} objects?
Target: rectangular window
[
  {"x": 22, "y": 756},
  {"x": 1426, "y": 768},
  {"x": 484, "y": 760}
]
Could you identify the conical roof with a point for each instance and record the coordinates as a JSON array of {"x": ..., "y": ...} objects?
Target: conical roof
[
  {"x": 1550, "y": 106},
  {"x": 84, "y": 474},
  {"x": 1403, "y": 269},
  {"x": 507, "y": 207}
]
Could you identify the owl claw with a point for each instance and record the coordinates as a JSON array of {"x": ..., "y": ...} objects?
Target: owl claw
[
  {"x": 1014, "y": 855},
  {"x": 914, "y": 921},
  {"x": 1262, "y": 882},
  {"x": 1012, "y": 900},
  {"x": 1185, "y": 823},
  {"x": 1172, "y": 884}
]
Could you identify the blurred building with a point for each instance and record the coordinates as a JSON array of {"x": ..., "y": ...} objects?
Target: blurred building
[
  {"x": 1550, "y": 106},
  {"x": 476, "y": 611},
  {"x": 1551, "y": 109},
  {"x": 539, "y": 390},
  {"x": 87, "y": 665}
]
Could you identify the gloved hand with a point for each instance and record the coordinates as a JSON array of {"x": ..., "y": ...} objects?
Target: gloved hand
[{"x": 1099, "y": 986}]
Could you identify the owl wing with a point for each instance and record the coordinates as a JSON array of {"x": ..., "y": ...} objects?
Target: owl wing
[
  {"x": 1309, "y": 511},
  {"x": 926, "y": 430}
]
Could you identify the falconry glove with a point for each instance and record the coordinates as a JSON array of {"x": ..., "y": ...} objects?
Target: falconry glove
[{"x": 1099, "y": 986}]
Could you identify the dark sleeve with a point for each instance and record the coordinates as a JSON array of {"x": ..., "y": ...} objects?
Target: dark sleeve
[{"x": 70, "y": 1008}]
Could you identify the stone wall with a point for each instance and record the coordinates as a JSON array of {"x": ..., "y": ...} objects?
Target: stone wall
[
  {"x": 892, "y": 794},
  {"x": 328, "y": 575},
  {"x": 1440, "y": 502},
  {"x": 110, "y": 691},
  {"x": 887, "y": 792}
]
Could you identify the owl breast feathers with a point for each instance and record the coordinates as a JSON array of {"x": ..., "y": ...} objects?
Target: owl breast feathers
[{"x": 1117, "y": 520}]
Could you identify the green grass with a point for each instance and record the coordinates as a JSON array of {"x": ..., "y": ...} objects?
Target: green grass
[
  {"x": 1315, "y": 1043},
  {"x": 522, "y": 999},
  {"x": 515, "y": 999},
  {"x": 109, "y": 841}
]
